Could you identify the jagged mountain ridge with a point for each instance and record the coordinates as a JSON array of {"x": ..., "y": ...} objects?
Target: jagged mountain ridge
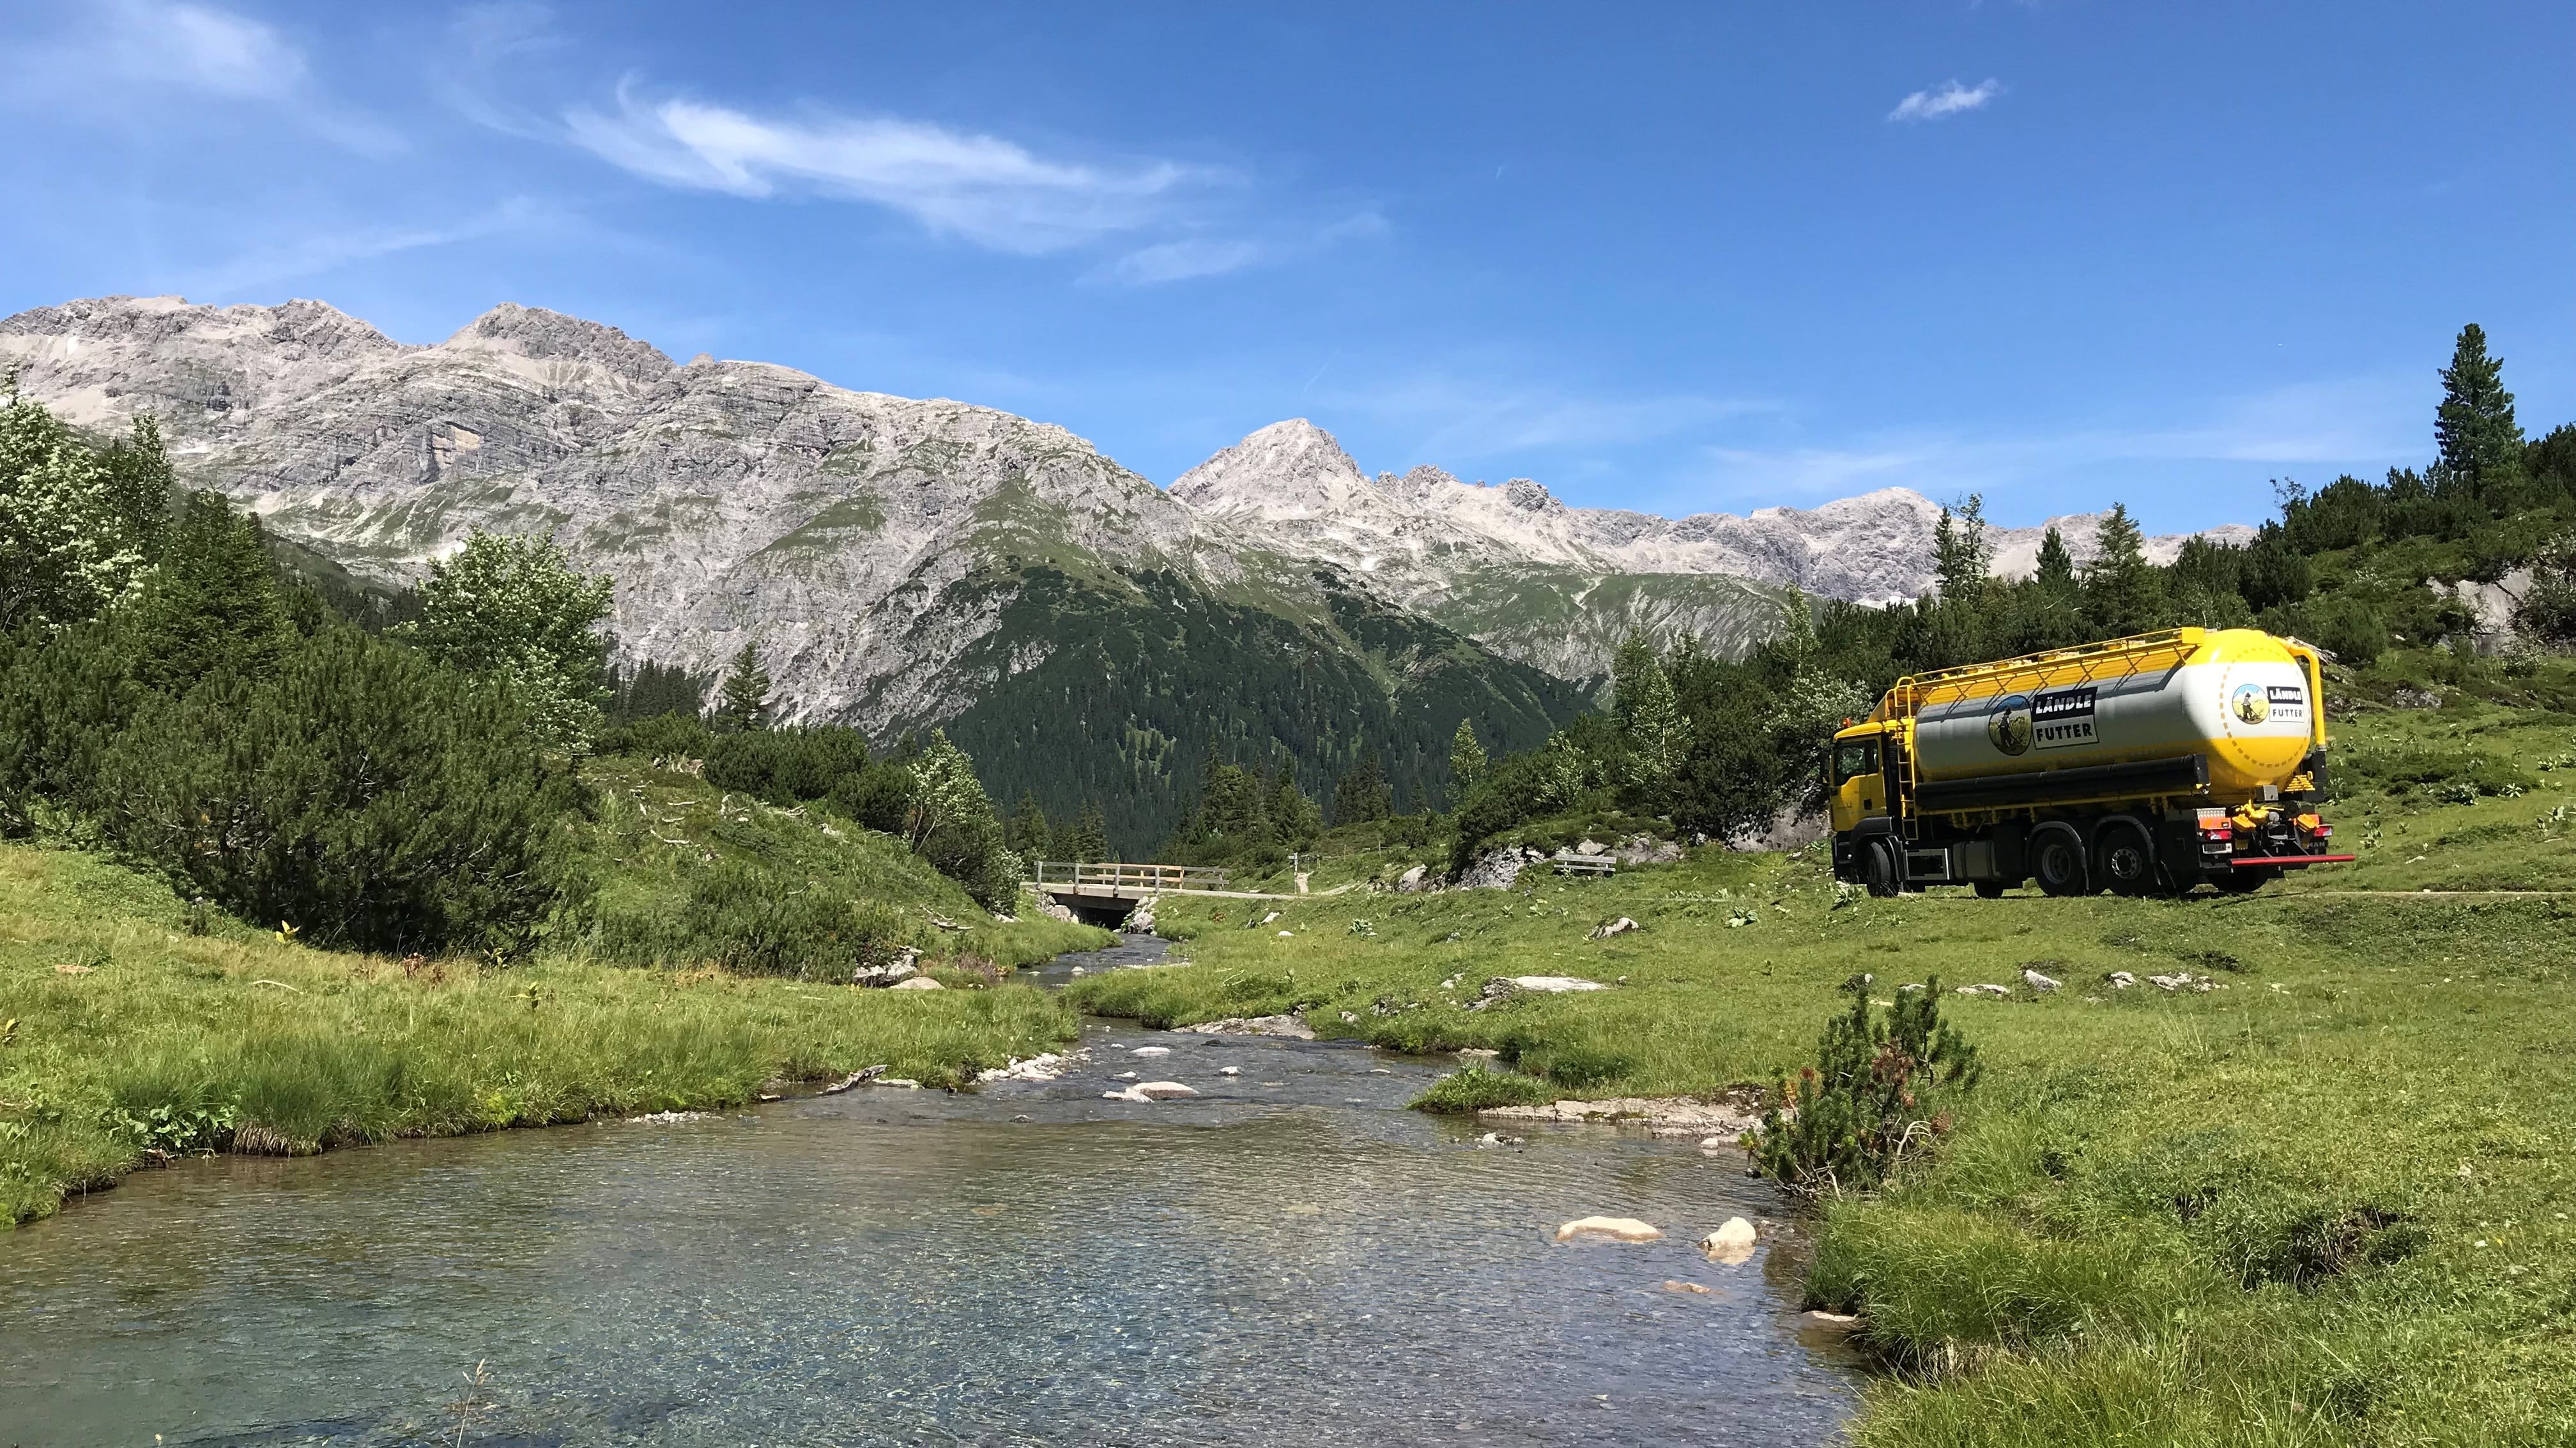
[
  {"x": 1424, "y": 526},
  {"x": 888, "y": 553}
]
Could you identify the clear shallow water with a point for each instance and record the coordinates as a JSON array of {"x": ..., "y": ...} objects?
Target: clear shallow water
[{"x": 1290, "y": 1259}]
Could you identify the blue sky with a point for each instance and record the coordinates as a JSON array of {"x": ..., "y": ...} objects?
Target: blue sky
[{"x": 1677, "y": 258}]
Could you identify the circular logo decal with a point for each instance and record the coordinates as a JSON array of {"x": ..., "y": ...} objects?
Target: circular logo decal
[
  {"x": 2009, "y": 725},
  {"x": 2251, "y": 703}
]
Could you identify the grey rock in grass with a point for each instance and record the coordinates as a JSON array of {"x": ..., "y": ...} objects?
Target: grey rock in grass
[{"x": 2038, "y": 982}]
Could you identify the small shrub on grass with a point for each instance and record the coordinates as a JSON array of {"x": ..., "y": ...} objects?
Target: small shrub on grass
[
  {"x": 1465, "y": 1092},
  {"x": 1852, "y": 1118}
]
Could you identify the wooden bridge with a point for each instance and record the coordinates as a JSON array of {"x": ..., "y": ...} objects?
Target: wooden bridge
[{"x": 1104, "y": 893}]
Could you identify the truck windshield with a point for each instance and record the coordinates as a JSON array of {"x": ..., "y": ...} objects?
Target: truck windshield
[{"x": 1855, "y": 757}]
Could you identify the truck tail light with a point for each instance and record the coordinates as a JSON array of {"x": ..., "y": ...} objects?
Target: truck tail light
[{"x": 2215, "y": 824}]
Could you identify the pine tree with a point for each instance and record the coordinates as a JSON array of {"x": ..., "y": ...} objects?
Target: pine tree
[
  {"x": 743, "y": 703},
  {"x": 2474, "y": 422},
  {"x": 1961, "y": 552},
  {"x": 1362, "y": 793},
  {"x": 1467, "y": 759},
  {"x": 212, "y": 605},
  {"x": 2056, "y": 566},
  {"x": 2120, "y": 586},
  {"x": 1029, "y": 833},
  {"x": 1090, "y": 836}
]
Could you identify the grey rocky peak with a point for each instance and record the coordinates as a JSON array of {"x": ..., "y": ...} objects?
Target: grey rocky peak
[
  {"x": 543, "y": 337},
  {"x": 881, "y": 550}
]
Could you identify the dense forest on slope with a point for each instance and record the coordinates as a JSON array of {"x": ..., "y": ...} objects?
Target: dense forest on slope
[{"x": 1142, "y": 687}]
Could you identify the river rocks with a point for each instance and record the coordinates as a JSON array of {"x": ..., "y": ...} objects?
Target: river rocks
[
  {"x": 1046, "y": 1067},
  {"x": 1125, "y": 1076},
  {"x": 1054, "y": 911},
  {"x": 1141, "y": 919},
  {"x": 918, "y": 982},
  {"x": 1150, "y": 1051},
  {"x": 2036, "y": 981},
  {"x": 1151, "y": 1091},
  {"x": 1229, "y": 1070},
  {"x": 1283, "y": 1027},
  {"x": 854, "y": 1078},
  {"x": 668, "y": 1118},
  {"x": 1620, "y": 926},
  {"x": 902, "y": 967},
  {"x": 1731, "y": 1243},
  {"x": 1617, "y": 1229},
  {"x": 1663, "y": 1115},
  {"x": 1671, "y": 1285}
]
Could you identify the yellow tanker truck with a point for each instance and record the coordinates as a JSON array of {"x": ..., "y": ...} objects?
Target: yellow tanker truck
[{"x": 2141, "y": 765}]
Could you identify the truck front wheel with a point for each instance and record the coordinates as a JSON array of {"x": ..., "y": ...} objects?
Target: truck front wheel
[
  {"x": 2057, "y": 861},
  {"x": 1881, "y": 869}
]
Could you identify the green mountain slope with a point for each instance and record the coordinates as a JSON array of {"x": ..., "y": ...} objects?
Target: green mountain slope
[{"x": 1120, "y": 686}]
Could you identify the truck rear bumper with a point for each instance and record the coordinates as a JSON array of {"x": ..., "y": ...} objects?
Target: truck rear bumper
[{"x": 2248, "y": 862}]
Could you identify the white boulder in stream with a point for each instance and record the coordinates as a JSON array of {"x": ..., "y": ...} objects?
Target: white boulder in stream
[
  {"x": 1150, "y": 1091},
  {"x": 1617, "y": 1229},
  {"x": 1730, "y": 1244}
]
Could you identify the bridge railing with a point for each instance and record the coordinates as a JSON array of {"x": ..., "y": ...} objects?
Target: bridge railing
[{"x": 1086, "y": 874}]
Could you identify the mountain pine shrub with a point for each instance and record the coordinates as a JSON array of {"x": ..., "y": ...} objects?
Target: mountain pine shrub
[{"x": 1872, "y": 1099}]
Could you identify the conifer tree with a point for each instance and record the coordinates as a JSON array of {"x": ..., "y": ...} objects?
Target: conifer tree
[
  {"x": 1363, "y": 793},
  {"x": 1029, "y": 833},
  {"x": 212, "y": 605},
  {"x": 743, "y": 703},
  {"x": 2474, "y": 424},
  {"x": 1961, "y": 552},
  {"x": 2056, "y": 566},
  {"x": 2120, "y": 586},
  {"x": 1090, "y": 836}
]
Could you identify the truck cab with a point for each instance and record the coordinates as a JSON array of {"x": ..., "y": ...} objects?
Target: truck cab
[{"x": 1856, "y": 777}]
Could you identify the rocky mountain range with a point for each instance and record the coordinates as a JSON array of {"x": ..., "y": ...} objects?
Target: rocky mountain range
[{"x": 907, "y": 562}]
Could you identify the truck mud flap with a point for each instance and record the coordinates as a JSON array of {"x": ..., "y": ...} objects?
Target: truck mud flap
[{"x": 2184, "y": 774}]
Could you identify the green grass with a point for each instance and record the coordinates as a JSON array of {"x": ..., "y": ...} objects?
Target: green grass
[
  {"x": 660, "y": 833},
  {"x": 2327, "y": 1204},
  {"x": 125, "y": 1039}
]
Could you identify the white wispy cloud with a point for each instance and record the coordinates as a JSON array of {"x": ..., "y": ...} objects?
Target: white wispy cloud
[
  {"x": 985, "y": 189},
  {"x": 117, "y": 59},
  {"x": 314, "y": 251},
  {"x": 1948, "y": 99},
  {"x": 2334, "y": 423},
  {"x": 1172, "y": 261}
]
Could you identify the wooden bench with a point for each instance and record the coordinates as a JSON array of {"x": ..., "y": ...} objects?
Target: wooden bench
[{"x": 1567, "y": 862}]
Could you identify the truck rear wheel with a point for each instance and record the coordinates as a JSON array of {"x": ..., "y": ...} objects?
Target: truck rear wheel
[
  {"x": 2123, "y": 860},
  {"x": 2244, "y": 882},
  {"x": 2057, "y": 862},
  {"x": 1990, "y": 889}
]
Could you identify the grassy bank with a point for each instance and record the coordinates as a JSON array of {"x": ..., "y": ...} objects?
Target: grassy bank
[
  {"x": 2326, "y": 1202},
  {"x": 127, "y": 1037}
]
